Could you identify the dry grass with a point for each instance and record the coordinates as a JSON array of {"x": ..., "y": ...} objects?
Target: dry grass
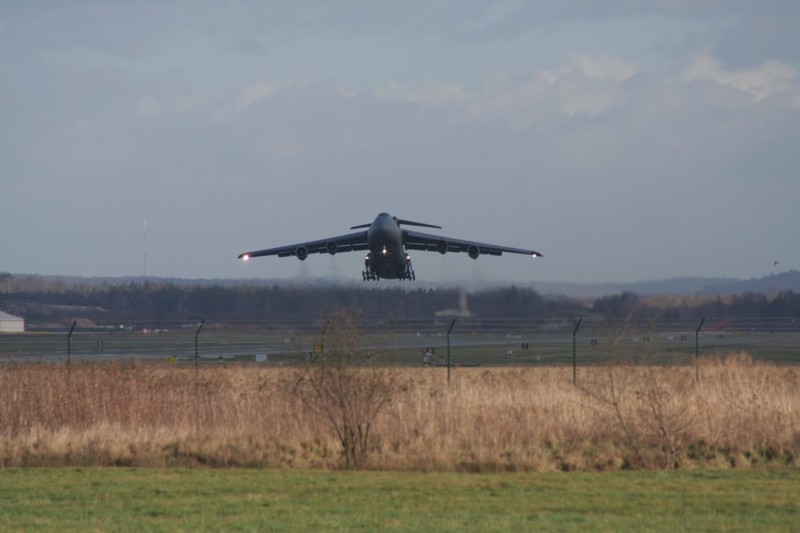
[{"x": 741, "y": 414}]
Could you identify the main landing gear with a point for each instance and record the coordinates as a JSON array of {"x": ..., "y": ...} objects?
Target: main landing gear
[
  {"x": 408, "y": 274},
  {"x": 391, "y": 269},
  {"x": 368, "y": 275}
]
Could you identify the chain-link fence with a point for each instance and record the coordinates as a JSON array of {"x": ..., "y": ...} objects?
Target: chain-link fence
[{"x": 473, "y": 341}]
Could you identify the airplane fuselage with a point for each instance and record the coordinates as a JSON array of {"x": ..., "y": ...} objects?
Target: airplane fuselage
[{"x": 387, "y": 258}]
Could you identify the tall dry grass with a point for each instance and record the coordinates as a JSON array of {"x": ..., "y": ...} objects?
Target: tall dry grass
[{"x": 741, "y": 413}]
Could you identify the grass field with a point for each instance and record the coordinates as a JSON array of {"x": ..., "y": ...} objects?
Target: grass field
[{"x": 132, "y": 499}]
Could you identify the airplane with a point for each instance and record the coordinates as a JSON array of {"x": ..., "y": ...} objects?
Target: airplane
[{"x": 387, "y": 242}]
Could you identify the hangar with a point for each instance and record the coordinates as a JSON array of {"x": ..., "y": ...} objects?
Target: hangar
[{"x": 11, "y": 323}]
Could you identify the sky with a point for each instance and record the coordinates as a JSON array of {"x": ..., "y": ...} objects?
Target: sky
[{"x": 624, "y": 140}]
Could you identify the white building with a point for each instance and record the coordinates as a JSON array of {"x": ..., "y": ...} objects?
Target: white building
[{"x": 11, "y": 323}]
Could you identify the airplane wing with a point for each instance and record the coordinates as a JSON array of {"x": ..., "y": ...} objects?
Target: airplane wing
[
  {"x": 414, "y": 240},
  {"x": 343, "y": 243}
]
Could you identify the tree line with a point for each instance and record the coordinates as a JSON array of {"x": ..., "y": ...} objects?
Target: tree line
[{"x": 171, "y": 301}]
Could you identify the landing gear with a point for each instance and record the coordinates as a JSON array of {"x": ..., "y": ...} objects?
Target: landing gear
[
  {"x": 386, "y": 264},
  {"x": 407, "y": 274},
  {"x": 368, "y": 274}
]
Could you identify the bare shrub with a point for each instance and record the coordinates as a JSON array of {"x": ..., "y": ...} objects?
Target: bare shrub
[
  {"x": 670, "y": 414},
  {"x": 611, "y": 391},
  {"x": 652, "y": 405},
  {"x": 345, "y": 386}
]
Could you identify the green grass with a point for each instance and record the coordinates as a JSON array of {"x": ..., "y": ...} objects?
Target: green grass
[{"x": 105, "y": 499}]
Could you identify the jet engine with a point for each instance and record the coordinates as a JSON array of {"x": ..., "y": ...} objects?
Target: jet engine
[
  {"x": 473, "y": 251},
  {"x": 331, "y": 246},
  {"x": 301, "y": 252},
  {"x": 442, "y": 246}
]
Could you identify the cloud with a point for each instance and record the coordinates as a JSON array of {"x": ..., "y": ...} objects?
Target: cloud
[
  {"x": 582, "y": 84},
  {"x": 244, "y": 98},
  {"x": 252, "y": 93},
  {"x": 428, "y": 95},
  {"x": 603, "y": 67},
  {"x": 760, "y": 33},
  {"x": 769, "y": 79},
  {"x": 168, "y": 101}
]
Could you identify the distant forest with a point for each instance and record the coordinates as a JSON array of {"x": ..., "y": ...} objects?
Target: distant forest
[{"x": 37, "y": 299}]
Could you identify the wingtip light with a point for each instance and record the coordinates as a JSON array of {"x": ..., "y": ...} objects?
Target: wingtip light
[{"x": 244, "y": 257}]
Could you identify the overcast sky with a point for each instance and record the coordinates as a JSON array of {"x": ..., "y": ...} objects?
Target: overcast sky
[{"x": 625, "y": 140}]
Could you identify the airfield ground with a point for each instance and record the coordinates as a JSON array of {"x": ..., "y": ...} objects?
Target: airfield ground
[{"x": 512, "y": 443}]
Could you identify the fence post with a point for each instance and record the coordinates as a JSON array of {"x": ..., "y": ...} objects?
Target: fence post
[
  {"x": 697, "y": 351},
  {"x": 196, "y": 341},
  {"x": 69, "y": 346},
  {"x": 453, "y": 323},
  {"x": 574, "y": 352}
]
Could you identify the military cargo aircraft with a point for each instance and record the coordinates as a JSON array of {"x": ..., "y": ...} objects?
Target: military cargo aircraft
[{"x": 387, "y": 243}]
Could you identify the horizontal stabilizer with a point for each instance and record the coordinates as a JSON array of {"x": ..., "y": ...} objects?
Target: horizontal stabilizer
[
  {"x": 420, "y": 224},
  {"x": 400, "y": 221}
]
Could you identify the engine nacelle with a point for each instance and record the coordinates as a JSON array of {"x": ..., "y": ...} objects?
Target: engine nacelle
[
  {"x": 301, "y": 252},
  {"x": 442, "y": 247},
  {"x": 473, "y": 251},
  {"x": 331, "y": 246}
]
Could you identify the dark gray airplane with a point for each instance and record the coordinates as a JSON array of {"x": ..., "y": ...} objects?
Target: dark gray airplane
[{"x": 387, "y": 243}]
